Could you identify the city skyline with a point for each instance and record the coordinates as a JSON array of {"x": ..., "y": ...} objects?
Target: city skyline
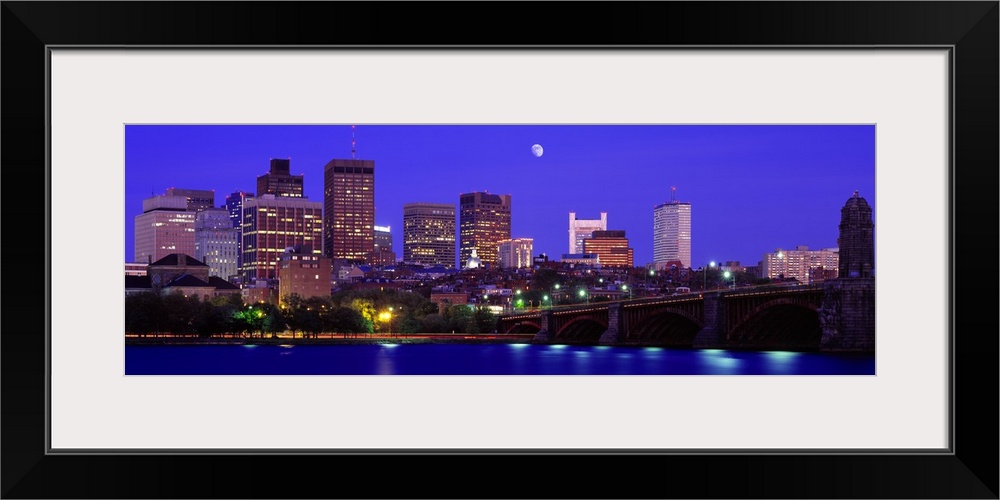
[{"x": 753, "y": 188}]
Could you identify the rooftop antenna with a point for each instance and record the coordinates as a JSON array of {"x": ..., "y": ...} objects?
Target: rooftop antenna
[
  {"x": 354, "y": 143},
  {"x": 673, "y": 194}
]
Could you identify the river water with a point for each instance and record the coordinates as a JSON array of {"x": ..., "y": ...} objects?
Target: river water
[{"x": 481, "y": 359}]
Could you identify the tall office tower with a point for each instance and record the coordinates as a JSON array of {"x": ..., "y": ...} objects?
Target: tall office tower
[
  {"x": 584, "y": 228},
  {"x": 165, "y": 226},
  {"x": 234, "y": 204},
  {"x": 483, "y": 222},
  {"x": 799, "y": 263},
  {"x": 349, "y": 210},
  {"x": 271, "y": 225},
  {"x": 516, "y": 253},
  {"x": 611, "y": 248},
  {"x": 197, "y": 199},
  {"x": 279, "y": 181},
  {"x": 429, "y": 234},
  {"x": 672, "y": 234},
  {"x": 856, "y": 241},
  {"x": 383, "y": 254},
  {"x": 215, "y": 242}
]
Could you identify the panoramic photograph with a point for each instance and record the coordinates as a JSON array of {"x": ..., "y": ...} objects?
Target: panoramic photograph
[{"x": 372, "y": 249}]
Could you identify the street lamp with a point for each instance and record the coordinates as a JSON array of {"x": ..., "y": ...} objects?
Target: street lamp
[
  {"x": 545, "y": 298},
  {"x": 727, "y": 274},
  {"x": 554, "y": 296},
  {"x": 624, "y": 288},
  {"x": 390, "y": 321},
  {"x": 583, "y": 293},
  {"x": 705, "y": 285}
]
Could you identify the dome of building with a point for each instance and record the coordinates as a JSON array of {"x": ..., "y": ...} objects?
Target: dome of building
[
  {"x": 856, "y": 201},
  {"x": 474, "y": 261}
]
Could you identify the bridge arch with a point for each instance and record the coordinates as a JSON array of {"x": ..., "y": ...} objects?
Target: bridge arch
[
  {"x": 668, "y": 326},
  {"x": 583, "y": 328},
  {"x": 789, "y": 323}
]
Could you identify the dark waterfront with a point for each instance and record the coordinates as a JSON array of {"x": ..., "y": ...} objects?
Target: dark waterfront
[{"x": 480, "y": 359}]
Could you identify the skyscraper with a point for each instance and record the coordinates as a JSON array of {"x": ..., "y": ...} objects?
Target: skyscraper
[
  {"x": 197, "y": 199},
  {"x": 279, "y": 181},
  {"x": 611, "y": 248},
  {"x": 429, "y": 234},
  {"x": 349, "y": 210},
  {"x": 516, "y": 253},
  {"x": 856, "y": 241},
  {"x": 672, "y": 234},
  {"x": 584, "y": 228},
  {"x": 215, "y": 242},
  {"x": 164, "y": 227},
  {"x": 270, "y": 226},
  {"x": 383, "y": 254},
  {"x": 484, "y": 221},
  {"x": 234, "y": 204}
]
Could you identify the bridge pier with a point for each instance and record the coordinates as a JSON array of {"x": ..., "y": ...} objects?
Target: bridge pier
[
  {"x": 847, "y": 315},
  {"x": 712, "y": 335},
  {"x": 543, "y": 336},
  {"x": 615, "y": 325}
]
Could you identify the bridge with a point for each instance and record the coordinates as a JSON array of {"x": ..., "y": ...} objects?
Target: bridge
[{"x": 837, "y": 315}]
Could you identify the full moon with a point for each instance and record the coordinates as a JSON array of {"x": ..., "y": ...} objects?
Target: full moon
[{"x": 536, "y": 150}]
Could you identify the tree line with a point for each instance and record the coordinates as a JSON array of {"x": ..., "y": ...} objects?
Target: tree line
[{"x": 348, "y": 313}]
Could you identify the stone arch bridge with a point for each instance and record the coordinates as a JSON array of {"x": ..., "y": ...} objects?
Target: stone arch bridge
[{"x": 837, "y": 315}]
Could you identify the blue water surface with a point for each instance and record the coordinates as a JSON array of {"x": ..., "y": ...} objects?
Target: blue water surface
[{"x": 480, "y": 359}]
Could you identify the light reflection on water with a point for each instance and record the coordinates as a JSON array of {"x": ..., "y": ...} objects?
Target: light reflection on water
[{"x": 482, "y": 359}]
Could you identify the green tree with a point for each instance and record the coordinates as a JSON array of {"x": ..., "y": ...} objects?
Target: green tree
[
  {"x": 366, "y": 308},
  {"x": 434, "y": 323},
  {"x": 144, "y": 313},
  {"x": 348, "y": 320},
  {"x": 459, "y": 317},
  {"x": 484, "y": 319}
]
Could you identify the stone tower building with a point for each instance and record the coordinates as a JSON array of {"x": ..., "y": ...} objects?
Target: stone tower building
[
  {"x": 857, "y": 245},
  {"x": 847, "y": 314}
]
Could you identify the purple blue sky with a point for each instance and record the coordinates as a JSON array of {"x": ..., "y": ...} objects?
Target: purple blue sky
[{"x": 752, "y": 188}]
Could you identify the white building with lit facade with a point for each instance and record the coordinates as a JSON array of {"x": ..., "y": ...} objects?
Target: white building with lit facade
[
  {"x": 516, "y": 253},
  {"x": 801, "y": 263},
  {"x": 580, "y": 229},
  {"x": 672, "y": 234}
]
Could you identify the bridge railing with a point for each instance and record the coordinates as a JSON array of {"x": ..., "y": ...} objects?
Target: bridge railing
[{"x": 764, "y": 289}]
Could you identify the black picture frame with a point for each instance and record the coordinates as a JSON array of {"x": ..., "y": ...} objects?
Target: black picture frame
[{"x": 970, "y": 28}]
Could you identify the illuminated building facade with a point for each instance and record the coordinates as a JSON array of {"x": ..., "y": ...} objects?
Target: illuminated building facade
[
  {"x": 234, "y": 204},
  {"x": 279, "y": 180},
  {"x": 584, "y": 228},
  {"x": 303, "y": 272},
  {"x": 800, "y": 263},
  {"x": 271, "y": 225},
  {"x": 611, "y": 248},
  {"x": 216, "y": 243},
  {"x": 484, "y": 221},
  {"x": 164, "y": 227},
  {"x": 349, "y": 210},
  {"x": 197, "y": 199},
  {"x": 136, "y": 268},
  {"x": 516, "y": 253},
  {"x": 383, "y": 254},
  {"x": 672, "y": 234},
  {"x": 429, "y": 234}
]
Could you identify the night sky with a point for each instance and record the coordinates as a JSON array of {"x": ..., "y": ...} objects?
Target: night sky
[{"x": 752, "y": 188}]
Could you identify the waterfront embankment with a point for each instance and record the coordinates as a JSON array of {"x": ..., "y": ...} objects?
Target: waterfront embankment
[{"x": 360, "y": 340}]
